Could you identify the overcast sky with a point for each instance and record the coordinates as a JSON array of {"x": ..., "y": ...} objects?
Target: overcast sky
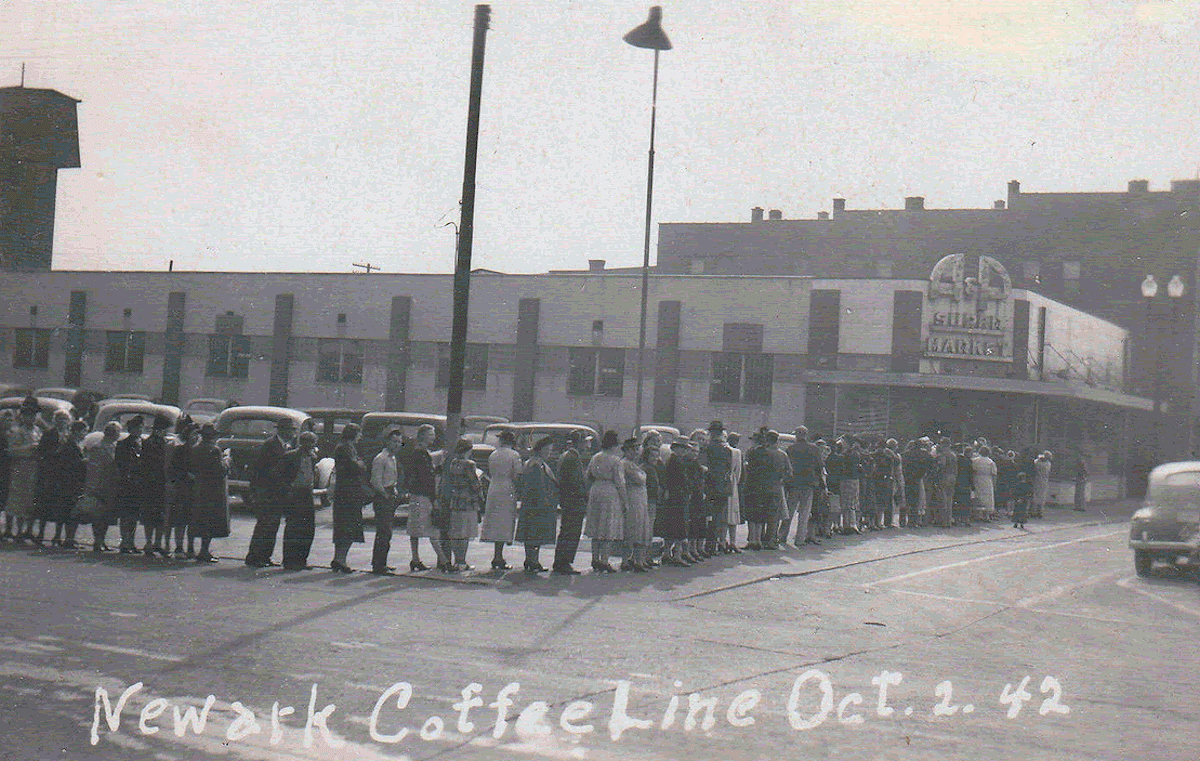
[{"x": 298, "y": 135}]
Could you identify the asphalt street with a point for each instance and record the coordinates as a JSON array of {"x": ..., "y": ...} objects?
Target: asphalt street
[{"x": 992, "y": 642}]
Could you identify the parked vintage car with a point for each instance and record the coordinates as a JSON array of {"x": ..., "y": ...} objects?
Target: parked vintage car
[
  {"x": 474, "y": 425},
  {"x": 57, "y": 392},
  {"x": 242, "y": 430},
  {"x": 528, "y": 433},
  {"x": 203, "y": 411},
  {"x": 1167, "y": 527},
  {"x": 48, "y": 406},
  {"x": 376, "y": 424},
  {"x": 122, "y": 410},
  {"x": 14, "y": 389},
  {"x": 329, "y": 422}
]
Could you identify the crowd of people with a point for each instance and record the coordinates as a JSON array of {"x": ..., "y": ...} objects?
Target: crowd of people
[{"x": 640, "y": 503}]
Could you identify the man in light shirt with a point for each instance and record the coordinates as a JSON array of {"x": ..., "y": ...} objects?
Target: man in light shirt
[{"x": 385, "y": 477}]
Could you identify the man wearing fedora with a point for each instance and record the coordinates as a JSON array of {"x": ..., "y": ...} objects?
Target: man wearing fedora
[
  {"x": 806, "y": 479},
  {"x": 572, "y": 501},
  {"x": 129, "y": 487},
  {"x": 718, "y": 486},
  {"x": 270, "y": 495}
]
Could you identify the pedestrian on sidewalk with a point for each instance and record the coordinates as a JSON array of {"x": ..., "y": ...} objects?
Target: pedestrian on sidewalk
[
  {"x": 1081, "y": 481},
  {"x": 350, "y": 489},
  {"x": 718, "y": 486},
  {"x": 946, "y": 470},
  {"x": 100, "y": 486},
  {"x": 152, "y": 475},
  {"x": 421, "y": 482},
  {"x": 180, "y": 485},
  {"x": 46, "y": 455},
  {"x": 296, "y": 470},
  {"x": 129, "y": 488},
  {"x": 805, "y": 460},
  {"x": 1041, "y": 483},
  {"x": 572, "y": 498},
  {"x": 984, "y": 471},
  {"x": 638, "y": 529},
  {"x": 209, "y": 518},
  {"x": 1022, "y": 492},
  {"x": 671, "y": 519},
  {"x": 733, "y": 511},
  {"x": 269, "y": 494},
  {"x": 607, "y": 502},
  {"x": 500, "y": 508},
  {"x": 71, "y": 475},
  {"x": 537, "y": 491},
  {"x": 851, "y": 486},
  {"x": 462, "y": 495},
  {"x": 385, "y": 481}
]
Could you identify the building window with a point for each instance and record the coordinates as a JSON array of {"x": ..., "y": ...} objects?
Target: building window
[
  {"x": 596, "y": 372},
  {"x": 228, "y": 356},
  {"x": 32, "y": 348},
  {"x": 475, "y": 366},
  {"x": 339, "y": 361},
  {"x": 745, "y": 378},
  {"x": 125, "y": 353}
]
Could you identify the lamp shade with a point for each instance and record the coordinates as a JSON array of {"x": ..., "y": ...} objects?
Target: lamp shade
[
  {"x": 1149, "y": 287},
  {"x": 1176, "y": 287},
  {"x": 650, "y": 35}
]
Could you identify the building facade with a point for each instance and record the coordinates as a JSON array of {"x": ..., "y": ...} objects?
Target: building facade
[{"x": 868, "y": 356}]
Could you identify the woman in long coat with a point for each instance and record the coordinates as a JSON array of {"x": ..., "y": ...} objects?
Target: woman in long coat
[
  {"x": 22, "y": 488},
  {"x": 962, "y": 488},
  {"x": 349, "y": 496},
  {"x": 180, "y": 485},
  {"x": 984, "y": 471},
  {"x": 461, "y": 494},
  {"x": 210, "y": 498},
  {"x": 638, "y": 529},
  {"x": 538, "y": 492},
  {"x": 607, "y": 501},
  {"x": 1041, "y": 483},
  {"x": 96, "y": 506},
  {"x": 652, "y": 466},
  {"x": 500, "y": 509},
  {"x": 46, "y": 454},
  {"x": 733, "y": 506}
]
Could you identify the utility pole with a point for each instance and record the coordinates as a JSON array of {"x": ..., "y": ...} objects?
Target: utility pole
[
  {"x": 367, "y": 266},
  {"x": 466, "y": 229}
]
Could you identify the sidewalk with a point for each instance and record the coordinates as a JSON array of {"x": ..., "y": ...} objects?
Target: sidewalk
[{"x": 718, "y": 572}]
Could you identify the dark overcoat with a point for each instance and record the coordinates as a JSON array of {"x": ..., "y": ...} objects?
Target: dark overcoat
[
  {"x": 537, "y": 490},
  {"x": 209, "y": 517}
]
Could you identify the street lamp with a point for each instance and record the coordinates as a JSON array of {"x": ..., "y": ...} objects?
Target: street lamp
[
  {"x": 649, "y": 35},
  {"x": 1176, "y": 289}
]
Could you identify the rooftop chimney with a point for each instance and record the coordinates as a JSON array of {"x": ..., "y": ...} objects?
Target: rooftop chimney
[
  {"x": 839, "y": 204},
  {"x": 1014, "y": 190},
  {"x": 595, "y": 265},
  {"x": 914, "y": 203},
  {"x": 822, "y": 215},
  {"x": 775, "y": 214},
  {"x": 756, "y": 214},
  {"x": 1139, "y": 186},
  {"x": 998, "y": 205}
]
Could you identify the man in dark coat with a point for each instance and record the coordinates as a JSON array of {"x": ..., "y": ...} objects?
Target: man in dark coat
[
  {"x": 269, "y": 494},
  {"x": 71, "y": 474},
  {"x": 210, "y": 504},
  {"x": 807, "y": 478},
  {"x": 129, "y": 488},
  {"x": 46, "y": 453},
  {"x": 697, "y": 512},
  {"x": 152, "y": 475},
  {"x": 572, "y": 499},
  {"x": 297, "y": 471},
  {"x": 718, "y": 459},
  {"x": 537, "y": 490}
]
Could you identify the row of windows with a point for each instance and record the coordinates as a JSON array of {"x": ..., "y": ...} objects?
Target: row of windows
[{"x": 592, "y": 371}]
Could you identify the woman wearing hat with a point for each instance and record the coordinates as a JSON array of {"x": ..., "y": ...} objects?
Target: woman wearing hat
[
  {"x": 652, "y": 465},
  {"x": 46, "y": 455},
  {"x": 210, "y": 504},
  {"x": 500, "y": 509},
  {"x": 152, "y": 475},
  {"x": 461, "y": 495},
  {"x": 22, "y": 488},
  {"x": 538, "y": 491},
  {"x": 675, "y": 498},
  {"x": 638, "y": 529},
  {"x": 179, "y": 482},
  {"x": 100, "y": 486},
  {"x": 349, "y": 495},
  {"x": 607, "y": 502}
]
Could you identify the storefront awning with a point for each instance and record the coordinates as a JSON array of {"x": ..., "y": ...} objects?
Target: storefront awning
[{"x": 1060, "y": 390}]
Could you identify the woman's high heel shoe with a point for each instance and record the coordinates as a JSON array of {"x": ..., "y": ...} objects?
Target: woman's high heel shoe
[{"x": 500, "y": 565}]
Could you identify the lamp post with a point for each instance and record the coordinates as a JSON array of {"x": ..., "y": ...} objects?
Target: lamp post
[
  {"x": 650, "y": 36},
  {"x": 1176, "y": 289}
]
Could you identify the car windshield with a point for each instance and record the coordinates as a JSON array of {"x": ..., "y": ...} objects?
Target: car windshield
[
  {"x": 124, "y": 417},
  {"x": 374, "y": 428},
  {"x": 252, "y": 428},
  {"x": 205, "y": 406}
]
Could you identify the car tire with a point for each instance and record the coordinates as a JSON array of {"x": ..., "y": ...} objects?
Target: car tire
[{"x": 1143, "y": 561}]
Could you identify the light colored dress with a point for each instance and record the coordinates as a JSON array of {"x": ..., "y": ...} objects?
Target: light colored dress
[
  {"x": 1041, "y": 483},
  {"x": 605, "y": 519},
  {"x": 638, "y": 529},
  {"x": 733, "y": 510},
  {"x": 983, "y": 477},
  {"x": 23, "y": 467},
  {"x": 500, "y": 509}
]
